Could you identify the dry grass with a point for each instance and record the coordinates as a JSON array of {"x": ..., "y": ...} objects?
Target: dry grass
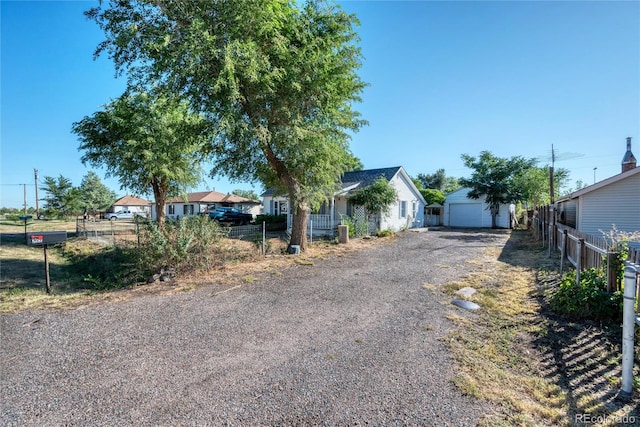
[
  {"x": 537, "y": 369},
  {"x": 22, "y": 272}
]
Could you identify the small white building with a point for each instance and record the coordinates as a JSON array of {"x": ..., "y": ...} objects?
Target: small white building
[
  {"x": 131, "y": 203},
  {"x": 462, "y": 211}
]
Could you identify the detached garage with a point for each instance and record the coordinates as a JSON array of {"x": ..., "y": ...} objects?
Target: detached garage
[{"x": 461, "y": 211}]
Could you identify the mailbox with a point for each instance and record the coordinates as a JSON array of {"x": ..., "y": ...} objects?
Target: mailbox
[
  {"x": 25, "y": 217},
  {"x": 40, "y": 238}
]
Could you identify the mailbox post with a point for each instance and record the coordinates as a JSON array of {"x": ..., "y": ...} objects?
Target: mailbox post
[
  {"x": 44, "y": 239},
  {"x": 25, "y": 218}
]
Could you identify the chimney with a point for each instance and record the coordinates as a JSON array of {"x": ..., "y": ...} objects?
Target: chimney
[{"x": 629, "y": 160}]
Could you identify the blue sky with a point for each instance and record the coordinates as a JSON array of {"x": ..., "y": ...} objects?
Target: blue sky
[{"x": 446, "y": 78}]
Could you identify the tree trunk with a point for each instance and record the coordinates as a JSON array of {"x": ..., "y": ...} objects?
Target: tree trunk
[
  {"x": 299, "y": 226},
  {"x": 298, "y": 207},
  {"x": 494, "y": 214},
  {"x": 160, "y": 194}
]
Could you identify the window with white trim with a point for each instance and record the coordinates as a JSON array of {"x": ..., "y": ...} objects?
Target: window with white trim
[
  {"x": 403, "y": 209},
  {"x": 171, "y": 210}
]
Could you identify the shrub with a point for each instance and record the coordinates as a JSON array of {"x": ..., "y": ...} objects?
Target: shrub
[
  {"x": 385, "y": 233},
  {"x": 190, "y": 243},
  {"x": 356, "y": 227},
  {"x": 273, "y": 222},
  {"x": 589, "y": 299}
]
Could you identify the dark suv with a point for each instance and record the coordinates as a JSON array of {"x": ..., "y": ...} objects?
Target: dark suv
[{"x": 231, "y": 215}]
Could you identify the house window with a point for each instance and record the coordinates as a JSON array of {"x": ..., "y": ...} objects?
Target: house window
[
  {"x": 171, "y": 210},
  {"x": 403, "y": 209},
  {"x": 414, "y": 209},
  {"x": 187, "y": 209}
]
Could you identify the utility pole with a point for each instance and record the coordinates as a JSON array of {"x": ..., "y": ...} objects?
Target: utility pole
[
  {"x": 35, "y": 173},
  {"x": 24, "y": 186},
  {"x": 553, "y": 160}
]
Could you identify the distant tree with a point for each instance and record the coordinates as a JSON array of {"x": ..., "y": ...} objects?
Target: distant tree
[
  {"x": 95, "y": 196},
  {"x": 439, "y": 181},
  {"x": 494, "y": 179},
  {"x": 533, "y": 183},
  {"x": 431, "y": 195},
  {"x": 580, "y": 184},
  {"x": 247, "y": 194},
  {"x": 61, "y": 197},
  {"x": 151, "y": 143},
  {"x": 277, "y": 78}
]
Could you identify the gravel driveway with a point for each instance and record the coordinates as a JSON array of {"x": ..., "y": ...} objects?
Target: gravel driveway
[{"x": 353, "y": 340}]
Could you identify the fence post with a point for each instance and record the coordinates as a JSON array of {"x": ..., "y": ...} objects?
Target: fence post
[
  {"x": 264, "y": 238},
  {"x": 311, "y": 232},
  {"x": 579, "y": 260},
  {"x": 612, "y": 279},
  {"x": 563, "y": 249},
  {"x": 628, "y": 330}
]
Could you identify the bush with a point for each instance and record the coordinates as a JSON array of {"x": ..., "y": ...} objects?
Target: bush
[
  {"x": 587, "y": 300},
  {"x": 190, "y": 243},
  {"x": 385, "y": 233},
  {"x": 356, "y": 228},
  {"x": 273, "y": 222}
]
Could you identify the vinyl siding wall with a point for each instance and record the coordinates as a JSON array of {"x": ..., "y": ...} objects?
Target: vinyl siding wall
[{"x": 615, "y": 204}]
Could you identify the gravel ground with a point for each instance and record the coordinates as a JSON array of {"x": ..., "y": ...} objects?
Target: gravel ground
[{"x": 353, "y": 340}]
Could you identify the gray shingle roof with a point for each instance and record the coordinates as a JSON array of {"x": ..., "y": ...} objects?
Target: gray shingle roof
[
  {"x": 367, "y": 177},
  {"x": 363, "y": 178}
]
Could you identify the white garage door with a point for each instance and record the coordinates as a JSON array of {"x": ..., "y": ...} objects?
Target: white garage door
[{"x": 465, "y": 215}]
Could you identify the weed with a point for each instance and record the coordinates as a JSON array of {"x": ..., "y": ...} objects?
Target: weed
[{"x": 588, "y": 299}]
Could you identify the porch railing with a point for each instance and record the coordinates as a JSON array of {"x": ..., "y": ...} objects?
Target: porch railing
[{"x": 316, "y": 222}]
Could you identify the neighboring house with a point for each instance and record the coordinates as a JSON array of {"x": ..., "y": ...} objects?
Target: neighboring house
[
  {"x": 463, "y": 211},
  {"x": 133, "y": 204},
  {"x": 613, "y": 201},
  {"x": 406, "y": 212},
  {"x": 203, "y": 201}
]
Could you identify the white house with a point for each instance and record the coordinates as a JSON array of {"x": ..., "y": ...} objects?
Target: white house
[
  {"x": 133, "y": 204},
  {"x": 613, "y": 201},
  {"x": 463, "y": 211},
  {"x": 204, "y": 201},
  {"x": 406, "y": 212}
]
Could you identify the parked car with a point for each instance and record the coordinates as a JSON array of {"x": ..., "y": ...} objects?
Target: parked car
[
  {"x": 230, "y": 215},
  {"x": 123, "y": 214}
]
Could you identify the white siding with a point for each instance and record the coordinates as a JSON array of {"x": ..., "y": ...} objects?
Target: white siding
[
  {"x": 394, "y": 220},
  {"x": 615, "y": 204},
  {"x": 480, "y": 215}
]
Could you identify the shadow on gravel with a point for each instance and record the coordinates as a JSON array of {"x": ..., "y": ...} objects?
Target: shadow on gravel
[
  {"x": 473, "y": 236},
  {"x": 580, "y": 356}
]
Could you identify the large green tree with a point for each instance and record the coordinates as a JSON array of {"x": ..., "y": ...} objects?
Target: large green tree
[
  {"x": 151, "y": 143},
  {"x": 61, "y": 197},
  {"x": 95, "y": 196},
  {"x": 494, "y": 178},
  {"x": 277, "y": 79}
]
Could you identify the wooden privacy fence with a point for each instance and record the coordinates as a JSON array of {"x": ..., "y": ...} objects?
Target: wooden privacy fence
[{"x": 583, "y": 251}]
